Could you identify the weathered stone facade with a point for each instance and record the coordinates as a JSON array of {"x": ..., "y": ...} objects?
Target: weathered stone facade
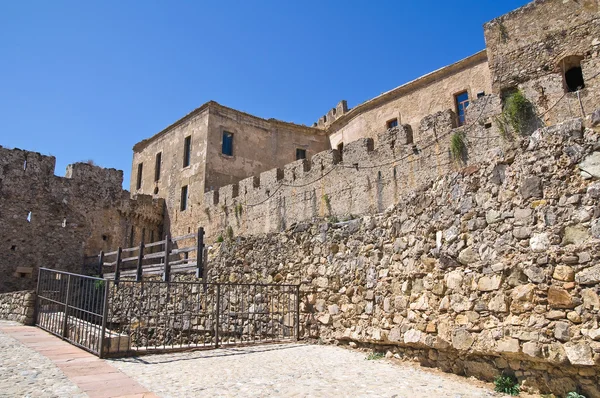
[
  {"x": 490, "y": 269},
  {"x": 258, "y": 145},
  {"x": 54, "y": 222},
  {"x": 411, "y": 102},
  {"x": 18, "y": 306}
]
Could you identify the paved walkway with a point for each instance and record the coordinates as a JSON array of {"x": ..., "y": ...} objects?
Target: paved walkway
[
  {"x": 34, "y": 363},
  {"x": 292, "y": 370}
]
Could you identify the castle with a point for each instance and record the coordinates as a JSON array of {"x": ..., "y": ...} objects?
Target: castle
[{"x": 237, "y": 174}]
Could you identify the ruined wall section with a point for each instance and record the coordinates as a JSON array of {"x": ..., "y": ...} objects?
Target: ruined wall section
[
  {"x": 54, "y": 222},
  {"x": 366, "y": 178},
  {"x": 494, "y": 268},
  {"x": 531, "y": 47}
]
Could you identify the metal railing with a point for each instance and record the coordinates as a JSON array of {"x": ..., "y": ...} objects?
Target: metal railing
[
  {"x": 72, "y": 307},
  {"x": 116, "y": 318}
]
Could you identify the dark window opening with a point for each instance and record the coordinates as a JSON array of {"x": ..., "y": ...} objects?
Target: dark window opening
[
  {"x": 187, "y": 151},
  {"x": 462, "y": 102},
  {"x": 156, "y": 190},
  {"x": 140, "y": 169},
  {"x": 184, "y": 198},
  {"x": 488, "y": 125},
  {"x": 481, "y": 94},
  {"x": 227, "y": 146},
  {"x": 392, "y": 123},
  {"x": 105, "y": 237},
  {"x": 157, "y": 166},
  {"x": 13, "y": 248},
  {"x": 574, "y": 79},
  {"x": 340, "y": 147},
  {"x": 300, "y": 153}
]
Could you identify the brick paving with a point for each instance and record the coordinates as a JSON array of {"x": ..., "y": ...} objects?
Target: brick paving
[{"x": 34, "y": 363}]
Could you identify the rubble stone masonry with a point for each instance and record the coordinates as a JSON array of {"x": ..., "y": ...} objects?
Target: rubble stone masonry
[
  {"x": 54, "y": 222},
  {"x": 493, "y": 268}
]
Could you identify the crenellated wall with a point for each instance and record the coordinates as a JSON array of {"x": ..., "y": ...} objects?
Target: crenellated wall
[
  {"x": 54, "y": 222},
  {"x": 366, "y": 178},
  {"x": 492, "y": 268}
]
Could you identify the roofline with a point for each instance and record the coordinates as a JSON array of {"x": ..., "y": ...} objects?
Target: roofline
[
  {"x": 215, "y": 105},
  {"x": 412, "y": 85}
]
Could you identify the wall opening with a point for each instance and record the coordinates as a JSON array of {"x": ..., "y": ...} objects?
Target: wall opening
[
  {"x": 25, "y": 165},
  {"x": 300, "y": 153},
  {"x": 157, "y": 164},
  {"x": 13, "y": 248},
  {"x": 461, "y": 101},
  {"x": 29, "y": 217},
  {"x": 140, "y": 169},
  {"x": 184, "y": 198},
  {"x": 156, "y": 190},
  {"x": 392, "y": 123},
  {"x": 187, "y": 151},
  {"x": 227, "y": 145},
  {"x": 572, "y": 74},
  {"x": 64, "y": 222},
  {"x": 105, "y": 237}
]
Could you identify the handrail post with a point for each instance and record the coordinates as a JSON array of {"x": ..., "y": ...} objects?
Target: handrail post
[
  {"x": 66, "y": 316},
  {"x": 138, "y": 276},
  {"x": 297, "y": 312},
  {"x": 100, "y": 263},
  {"x": 167, "y": 270},
  {"x": 118, "y": 266},
  {"x": 200, "y": 255},
  {"x": 218, "y": 310},
  {"x": 104, "y": 315}
]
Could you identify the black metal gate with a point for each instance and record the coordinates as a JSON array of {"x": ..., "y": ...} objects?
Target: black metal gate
[{"x": 114, "y": 318}]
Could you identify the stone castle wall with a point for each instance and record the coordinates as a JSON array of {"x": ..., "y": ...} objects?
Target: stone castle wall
[
  {"x": 490, "y": 269},
  {"x": 366, "y": 178},
  {"x": 54, "y": 222},
  {"x": 18, "y": 306}
]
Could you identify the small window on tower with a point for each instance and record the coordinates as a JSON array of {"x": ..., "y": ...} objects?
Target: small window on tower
[
  {"x": 140, "y": 169},
  {"x": 187, "y": 151},
  {"x": 184, "y": 198},
  {"x": 157, "y": 166},
  {"x": 392, "y": 123},
  {"x": 300, "y": 153},
  {"x": 227, "y": 146}
]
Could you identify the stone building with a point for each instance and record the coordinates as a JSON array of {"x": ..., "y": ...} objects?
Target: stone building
[
  {"x": 547, "y": 49},
  {"x": 54, "y": 222},
  {"x": 211, "y": 147}
]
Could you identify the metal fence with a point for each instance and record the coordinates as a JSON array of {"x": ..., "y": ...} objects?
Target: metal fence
[
  {"x": 124, "y": 317},
  {"x": 71, "y": 306}
]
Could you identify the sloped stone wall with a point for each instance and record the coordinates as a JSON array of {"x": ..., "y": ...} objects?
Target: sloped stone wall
[
  {"x": 493, "y": 268},
  {"x": 18, "y": 306}
]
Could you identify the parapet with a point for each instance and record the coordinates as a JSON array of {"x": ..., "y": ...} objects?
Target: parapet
[
  {"x": 340, "y": 109},
  {"x": 99, "y": 175},
  {"x": 18, "y": 162},
  {"x": 433, "y": 126}
]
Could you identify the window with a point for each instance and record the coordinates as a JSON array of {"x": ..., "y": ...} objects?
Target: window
[
  {"x": 187, "y": 151},
  {"x": 462, "y": 102},
  {"x": 572, "y": 74},
  {"x": 138, "y": 184},
  {"x": 157, "y": 166},
  {"x": 392, "y": 123},
  {"x": 184, "y": 198},
  {"x": 481, "y": 94},
  {"x": 300, "y": 153},
  {"x": 227, "y": 148}
]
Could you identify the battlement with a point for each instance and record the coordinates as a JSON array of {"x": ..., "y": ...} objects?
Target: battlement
[
  {"x": 18, "y": 163},
  {"x": 364, "y": 164},
  {"x": 96, "y": 174},
  {"x": 334, "y": 113}
]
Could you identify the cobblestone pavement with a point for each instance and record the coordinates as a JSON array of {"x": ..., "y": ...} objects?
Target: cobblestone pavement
[
  {"x": 26, "y": 373},
  {"x": 292, "y": 370}
]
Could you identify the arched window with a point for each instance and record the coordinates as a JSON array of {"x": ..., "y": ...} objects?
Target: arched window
[{"x": 572, "y": 75}]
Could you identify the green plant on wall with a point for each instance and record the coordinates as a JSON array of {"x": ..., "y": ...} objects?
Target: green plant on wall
[
  {"x": 229, "y": 232},
  {"x": 518, "y": 116},
  {"x": 327, "y": 203},
  {"x": 238, "y": 210},
  {"x": 458, "y": 146},
  {"x": 220, "y": 239},
  {"x": 507, "y": 384}
]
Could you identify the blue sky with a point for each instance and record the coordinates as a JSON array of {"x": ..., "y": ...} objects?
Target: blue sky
[{"x": 88, "y": 79}]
